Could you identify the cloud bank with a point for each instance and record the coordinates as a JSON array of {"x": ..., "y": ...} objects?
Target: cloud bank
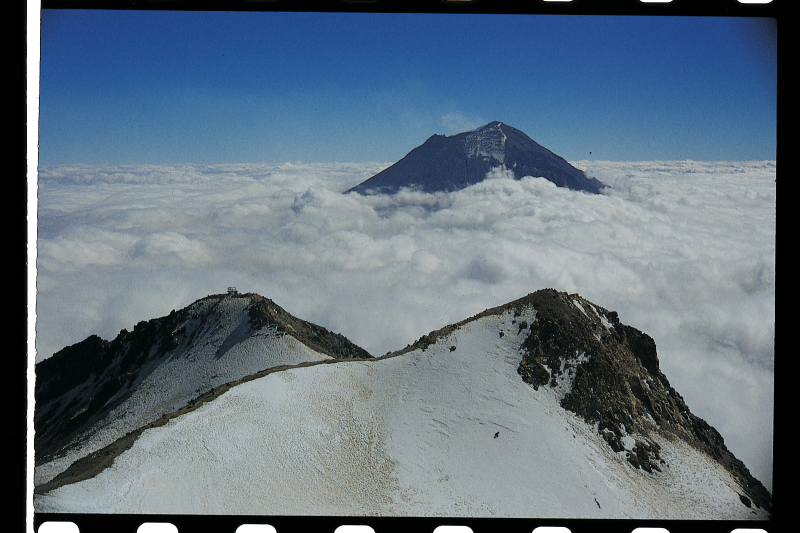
[{"x": 684, "y": 251}]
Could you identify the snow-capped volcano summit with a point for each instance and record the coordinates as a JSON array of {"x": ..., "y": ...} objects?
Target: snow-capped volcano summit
[
  {"x": 487, "y": 142},
  {"x": 547, "y": 406},
  {"x": 452, "y": 163}
]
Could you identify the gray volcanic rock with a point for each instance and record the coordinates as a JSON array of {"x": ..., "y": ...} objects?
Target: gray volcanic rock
[{"x": 458, "y": 161}]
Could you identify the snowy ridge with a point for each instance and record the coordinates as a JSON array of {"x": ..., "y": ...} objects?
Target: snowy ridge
[
  {"x": 445, "y": 429},
  {"x": 213, "y": 346}
]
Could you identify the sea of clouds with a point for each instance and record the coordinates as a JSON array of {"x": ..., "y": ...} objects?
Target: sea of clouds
[{"x": 684, "y": 251}]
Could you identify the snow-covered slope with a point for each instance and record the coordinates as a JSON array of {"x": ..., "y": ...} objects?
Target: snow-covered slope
[
  {"x": 489, "y": 141},
  {"x": 448, "y": 427},
  {"x": 214, "y": 341}
]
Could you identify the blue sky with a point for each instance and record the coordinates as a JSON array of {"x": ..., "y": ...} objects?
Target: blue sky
[{"x": 139, "y": 87}]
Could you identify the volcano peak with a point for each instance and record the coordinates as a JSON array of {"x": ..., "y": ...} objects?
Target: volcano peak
[{"x": 451, "y": 163}]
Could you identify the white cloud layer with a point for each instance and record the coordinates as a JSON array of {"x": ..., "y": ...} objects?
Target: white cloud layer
[{"x": 684, "y": 251}]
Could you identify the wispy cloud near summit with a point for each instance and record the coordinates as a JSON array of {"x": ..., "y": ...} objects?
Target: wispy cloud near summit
[{"x": 455, "y": 122}]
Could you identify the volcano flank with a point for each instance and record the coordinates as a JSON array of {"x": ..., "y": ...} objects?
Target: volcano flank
[{"x": 451, "y": 163}]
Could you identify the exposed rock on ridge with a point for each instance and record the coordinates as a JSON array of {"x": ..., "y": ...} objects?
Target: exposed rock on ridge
[
  {"x": 264, "y": 312},
  {"x": 455, "y": 162}
]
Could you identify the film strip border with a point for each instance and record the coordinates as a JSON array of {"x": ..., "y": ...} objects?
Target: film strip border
[
  {"x": 292, "y": 524},
  {"x": 754, "y": 8},
  {"x": 94, "y": 523}
]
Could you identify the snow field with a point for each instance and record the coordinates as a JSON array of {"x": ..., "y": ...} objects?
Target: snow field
[
  {"x": 690, "y": 479},
  {"x": 440, "y": 432}
]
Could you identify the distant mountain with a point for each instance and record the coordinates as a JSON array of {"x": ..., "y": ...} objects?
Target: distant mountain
[
  {"x": 451, "y": 163},
  {"x": 546, "y": 406}
]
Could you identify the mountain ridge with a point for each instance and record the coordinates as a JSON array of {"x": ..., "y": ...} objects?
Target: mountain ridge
[
  {"x": 552, "y": 349},
  {"x": 601, "y": 370},
  {"x": 84, "y": 382}
]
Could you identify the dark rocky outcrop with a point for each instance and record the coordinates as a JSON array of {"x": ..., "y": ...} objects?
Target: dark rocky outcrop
[
  {"x": 620, "y": 385},
  {"x": 264, "y": 312},
  {"x": 455, "y": 162}
]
